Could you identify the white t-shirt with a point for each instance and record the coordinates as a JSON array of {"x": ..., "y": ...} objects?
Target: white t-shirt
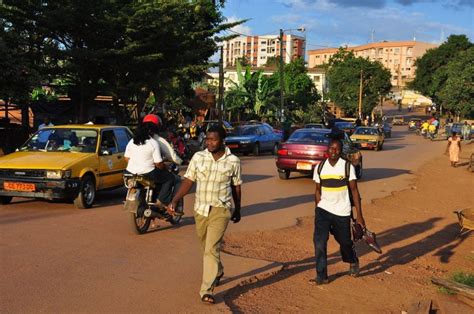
[
  {"x": 334, "y": 190},
  {"x": 142, "y": 157}
]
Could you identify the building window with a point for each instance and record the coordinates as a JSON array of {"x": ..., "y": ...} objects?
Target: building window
[
  {"x": 395, "y": 77},
  {"x": 397, "y": 50},
  {"x": 408, "y": 69},
  {"x": 408, "y": 61},
  {"x": 316, "y": 78},
  {"x": 409, "y": 50},
  {"x": 263, "y": 50},
  {"x": 263, "y": 42}
]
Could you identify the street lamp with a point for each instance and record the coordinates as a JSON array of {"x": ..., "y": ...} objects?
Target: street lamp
[{"x": 282, "y": 96}]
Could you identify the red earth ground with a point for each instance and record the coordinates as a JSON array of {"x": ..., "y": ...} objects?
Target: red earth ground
[{"x": 416, "y": 228}]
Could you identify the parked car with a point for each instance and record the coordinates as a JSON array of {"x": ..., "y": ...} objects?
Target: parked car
[
  {"x": 314, "y": 126},
  {"x": 347, "y": 127},
  {"x": 253, "y": 138},
  {"x": 368, "y": 137},
  {"x": 69, "y": 162},
  {"x": 306, "y": 148},
  {"x": 398, "y": 120}
]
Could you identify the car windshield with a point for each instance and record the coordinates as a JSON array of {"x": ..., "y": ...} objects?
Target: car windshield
[
  {"x": 366, "y": 131},
  {"x": 309, "y": 137},
  {"x": 62, "y": 140},
  {"x": 344, "y": 125},
  {"x": 245, "y": 130}
]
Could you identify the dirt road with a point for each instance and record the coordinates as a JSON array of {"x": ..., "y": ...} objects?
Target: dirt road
[
  {"x": 417, "y": 230},
  {"x": 54, "y": 258}
]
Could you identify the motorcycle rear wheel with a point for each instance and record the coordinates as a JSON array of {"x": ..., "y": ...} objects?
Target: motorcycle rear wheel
[
  {"x": 174, "y": 220},
  {"x": 139, "y": 224}
]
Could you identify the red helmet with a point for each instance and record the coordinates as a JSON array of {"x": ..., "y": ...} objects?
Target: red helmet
[{"x": 153, "y": 118}]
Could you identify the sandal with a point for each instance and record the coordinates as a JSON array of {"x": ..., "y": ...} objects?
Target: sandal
[
  {"x": 218, "y": 279},
  {"x": 208, "y": 299}
]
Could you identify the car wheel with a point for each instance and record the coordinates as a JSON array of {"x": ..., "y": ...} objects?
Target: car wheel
[
  {"x": 275, "y": 149},
  {"x": 381, "y": 146},
  {"x": 5, "y": 200},
  {"x": 86, "y": 196},
  {"x": 256, "y": 149},
  {"x": 284, "y": 175},
  {"x": 376, "y": 147}
]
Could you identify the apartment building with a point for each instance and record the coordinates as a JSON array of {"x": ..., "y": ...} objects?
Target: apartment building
[
  {"x": 397, "y": 56},
  {"x": 257, "y": 49},
  {"x": 318, "y": 76}
]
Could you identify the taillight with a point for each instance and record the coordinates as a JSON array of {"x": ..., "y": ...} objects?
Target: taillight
[{"x": 283, "y": 152}]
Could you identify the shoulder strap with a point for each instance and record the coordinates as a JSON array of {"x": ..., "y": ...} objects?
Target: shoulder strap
[
  {"x": 320, "y": 168},
  {"x": 347, "y": 169}
]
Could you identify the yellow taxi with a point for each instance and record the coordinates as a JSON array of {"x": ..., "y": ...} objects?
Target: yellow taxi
[
  {"x": 69, "y": 162},
  {"x": 368, "y": 137}
]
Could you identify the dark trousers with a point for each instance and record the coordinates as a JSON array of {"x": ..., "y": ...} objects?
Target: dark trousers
[
  {"x": 340, "y": 227},
  {"x": 164, "y": 181}
]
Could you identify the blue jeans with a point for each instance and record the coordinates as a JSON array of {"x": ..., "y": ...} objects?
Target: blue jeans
[{"x": 340, "y": 226}]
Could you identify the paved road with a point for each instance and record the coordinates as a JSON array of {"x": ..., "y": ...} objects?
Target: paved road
[{"x": 54, "y": 258}]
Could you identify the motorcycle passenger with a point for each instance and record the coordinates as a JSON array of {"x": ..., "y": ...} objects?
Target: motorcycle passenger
[
  {"x": 144, "y": 157},
  {"x": 152, "y": 123},
  {"x": 424, "y": 128}
]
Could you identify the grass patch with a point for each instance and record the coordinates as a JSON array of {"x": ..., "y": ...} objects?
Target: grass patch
[
  {"x": 464, "y": 278},
  {"x": 444, "y": 290}
]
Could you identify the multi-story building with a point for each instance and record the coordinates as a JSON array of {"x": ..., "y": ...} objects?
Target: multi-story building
[
  {"x": 257, "y": 49},
  {"x": 397, "y": 56},
  {"x": 318, "y": 76}
]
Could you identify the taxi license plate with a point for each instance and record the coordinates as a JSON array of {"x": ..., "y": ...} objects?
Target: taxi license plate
[
  {"x": 364, "y": 144},
  {"x": 303, "y": 166},
  {"x": 19, "y": 186},
  {"x": 233, "y": 145}
]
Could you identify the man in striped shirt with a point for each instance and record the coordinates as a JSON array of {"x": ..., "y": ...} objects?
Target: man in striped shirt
[
  {"x": 334, "y": 181},
  {"x": 217, "y": 173}
]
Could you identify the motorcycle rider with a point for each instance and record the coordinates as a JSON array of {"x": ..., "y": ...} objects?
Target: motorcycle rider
[
  {"x": 143, "y": 157},
  {"x": 152, "y": 123}
]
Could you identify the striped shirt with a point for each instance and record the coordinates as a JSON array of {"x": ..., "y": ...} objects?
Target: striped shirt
[
  {"x": 334, "y": 190},
  {"x": 214, "y": 179}
]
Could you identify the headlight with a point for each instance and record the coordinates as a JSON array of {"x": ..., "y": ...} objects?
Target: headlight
[
  {"x": 58, "y": 174},
  {"x": 244, "y": 142}
]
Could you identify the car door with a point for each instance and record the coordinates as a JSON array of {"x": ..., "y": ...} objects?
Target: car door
[
  {"x": 122, "y": 136},
  {"x": 264, "y": 138},
  {"x": 110, "y": 160}
]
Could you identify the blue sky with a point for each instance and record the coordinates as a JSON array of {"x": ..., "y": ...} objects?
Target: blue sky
[{"x": 332, "y": 23}]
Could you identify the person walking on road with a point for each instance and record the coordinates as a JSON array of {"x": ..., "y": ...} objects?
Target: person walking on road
[
  {"x": 454, "y": 148},
  {"x": 217, "y": 173},
  {"x": 466, "y": 131},
  {"x": 335, "y": 184}
]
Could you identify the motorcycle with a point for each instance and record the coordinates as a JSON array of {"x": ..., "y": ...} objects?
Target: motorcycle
[{"x": 141, "y": 205}]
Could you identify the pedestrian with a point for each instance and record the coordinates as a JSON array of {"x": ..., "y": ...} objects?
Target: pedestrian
[
  {"x": 46, "y": 123},
  {"x": 454, "y": 148},
  {"x": 336, "y": 185},
  {"x": 466, "y": 131},
  {"x": 217, "y": 173}
]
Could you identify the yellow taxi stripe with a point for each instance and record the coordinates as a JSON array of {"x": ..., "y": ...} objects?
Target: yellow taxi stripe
[{"x": 342, "y": 188}]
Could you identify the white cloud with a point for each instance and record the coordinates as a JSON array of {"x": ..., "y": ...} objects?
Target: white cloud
[{"x": 242, "y": 28}]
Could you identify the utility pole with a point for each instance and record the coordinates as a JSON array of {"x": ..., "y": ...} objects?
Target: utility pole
[
  {"x": 360, "y": 95},
  {"x": 220, "y": 106},
  {"x": 282, "y": 96}
]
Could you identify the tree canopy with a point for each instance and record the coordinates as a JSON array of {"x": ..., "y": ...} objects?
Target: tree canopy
[
  {"x": 439, "y": 74},
  {"x": 126, "y": 48},
  {"x": 343, "y": 76},
  {"x": 256, "y": 95}
]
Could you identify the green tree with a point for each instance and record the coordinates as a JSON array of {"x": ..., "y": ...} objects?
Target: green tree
[
  {"x": 272, "y": 62},
  {"x": 343, "y": 77},
  {"x": 431, "y": 69},
  {"x": 127, "y": 48},
  {"x": 457, "y": 94}
]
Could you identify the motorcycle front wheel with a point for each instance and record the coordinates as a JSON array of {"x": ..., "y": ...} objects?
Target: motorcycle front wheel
[{"x": 139, "y": 224}]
